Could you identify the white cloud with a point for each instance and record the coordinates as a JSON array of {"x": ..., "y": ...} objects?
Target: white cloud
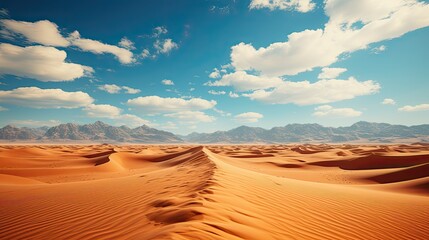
[
  {"x": 248, "y": 117},
  {"x": 331, "y": 73},
  {"x": 242, "y": 81},
  {"x": 381, "y": 20},
  {"x": 35, "y": 97},
  {"x": 145, "y": 53},
  {"x": 43, "y": 32},
  {"x": 212, "y": 92},
  {"x": 191, "y": 116},
  {"x": 130, "y": 90},
  {"x": 132, "y": 120},
  {"x": 126, "y": 43},
  {"x": 165, "y": 46},
  {"x": 388, "y": 101},
  {"x": 378, "y": 50},
  {"x": 419, "y": 107},
  {"x": 35, "y": 123},
  {"x": 156, "y": 104},
  {"x": 167, "y": 82},
  {"x": 47, "y": 33},
  {"x": 327, "y": 110},
  {"x": 215, "y": 73},
  {"x": 159, "y": 31},
  {"x": 110, "y": 88},
  {"x": 124, "y": 56},
  {"x": 102, "y": 110},
  {"x": 322, "y": 91},
  {"x": 39, "y": 62},
  {"x": 115, "y": 113},
  {"x": 276, "y": 90},
  {"x": 296, "y": 5},
  {"x": 233, "y": 95},
  {"x": 113, "y": 89}
]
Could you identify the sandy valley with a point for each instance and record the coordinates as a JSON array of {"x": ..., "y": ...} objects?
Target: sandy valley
[{"x": 214, "y": 192}]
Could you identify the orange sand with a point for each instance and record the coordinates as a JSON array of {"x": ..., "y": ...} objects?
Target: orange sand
[{"x": 214, "y": 192}]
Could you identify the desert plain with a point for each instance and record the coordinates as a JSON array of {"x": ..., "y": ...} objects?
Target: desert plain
[{"x": 214, "y": 192}]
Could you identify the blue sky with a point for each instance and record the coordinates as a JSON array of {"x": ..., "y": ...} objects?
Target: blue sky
[{"x": 210, "y": 65}]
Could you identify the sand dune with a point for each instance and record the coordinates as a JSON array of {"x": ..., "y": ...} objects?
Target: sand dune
[{"x": 214, "y": 192}]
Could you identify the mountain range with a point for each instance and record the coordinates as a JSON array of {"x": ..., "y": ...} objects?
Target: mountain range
[
  {"x": 291, "y": 133},
  {"x": 97, "y": 131},
  {"x": 360, "y": 131}
]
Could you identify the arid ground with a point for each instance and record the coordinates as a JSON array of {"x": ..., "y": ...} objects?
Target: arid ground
[{"x": 214, "y": 192}]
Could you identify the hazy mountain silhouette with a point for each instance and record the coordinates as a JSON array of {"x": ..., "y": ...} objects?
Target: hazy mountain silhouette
[{"x": 99, "y": 131}]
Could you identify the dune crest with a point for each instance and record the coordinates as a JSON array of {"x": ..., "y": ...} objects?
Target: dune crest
[{"x": 214, "y": 192}]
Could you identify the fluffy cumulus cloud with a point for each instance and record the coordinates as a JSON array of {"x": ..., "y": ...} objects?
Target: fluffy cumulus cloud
[
  {"x": 327, "y": 110},
  {"x": 114, "y": 113},
  {"x": 124, "y": 56},
  {"x": 102, "y": 110},
  {"x": 352, "y": 26},
  {"x": 415, "y": 108},
  {"x": 35, "y": 97},
  {"x": 330, "y": 73},
  {"x": 248, "y": 117},
  {"x": 323, "y": 91},
  {"x": 43, "y": 32},
  {"x": 132, "y": 120},
  {"x": 39, "y": 62},
  {"x": 113, "y": 89},
  {"x": 126, "y": 43},
  {"x": 145, "y": 53},
  {"x": 191, "y": 116},
  {"x": 110, "y": 88},
  {"x": 388, "y": 101},
  {"x": 130, "y": 90},
  {"x": 278, "y": 91},
  {"x": 303, "y": 51},
  {"x": 296, "y": 5},
  {"x": 165, "y": 46},
  {"x": 156, "y": 104},
  {"x": 215, "y": 73},
  {"x": 47, "y": 33},
  {"x": 167, "y": 82},
  {"x": 158, "y": 31},
  {"x": 243, "y": 81}
]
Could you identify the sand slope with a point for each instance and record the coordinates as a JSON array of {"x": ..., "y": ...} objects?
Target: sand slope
[{"x": 214, "y": 192}]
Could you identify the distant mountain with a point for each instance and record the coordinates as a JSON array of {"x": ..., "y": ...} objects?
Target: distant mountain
[
  {"x": 10, "y": 132},
  {"x": 360, "y": 131},
  {"x": 291, "y": 133},
  {"x": 97, "y": 131}
]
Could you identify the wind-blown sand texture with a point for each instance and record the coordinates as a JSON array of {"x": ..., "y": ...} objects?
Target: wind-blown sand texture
[{"x": 214, "y": 192}]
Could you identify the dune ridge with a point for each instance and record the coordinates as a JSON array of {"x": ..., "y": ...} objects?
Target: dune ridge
[{"x": 213, "y": 192}]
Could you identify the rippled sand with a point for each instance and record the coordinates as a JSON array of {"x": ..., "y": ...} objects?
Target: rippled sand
[{"x": 214, "y": 192}]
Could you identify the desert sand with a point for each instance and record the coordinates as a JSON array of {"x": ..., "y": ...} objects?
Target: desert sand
[{"x": 214, "y": 192}]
